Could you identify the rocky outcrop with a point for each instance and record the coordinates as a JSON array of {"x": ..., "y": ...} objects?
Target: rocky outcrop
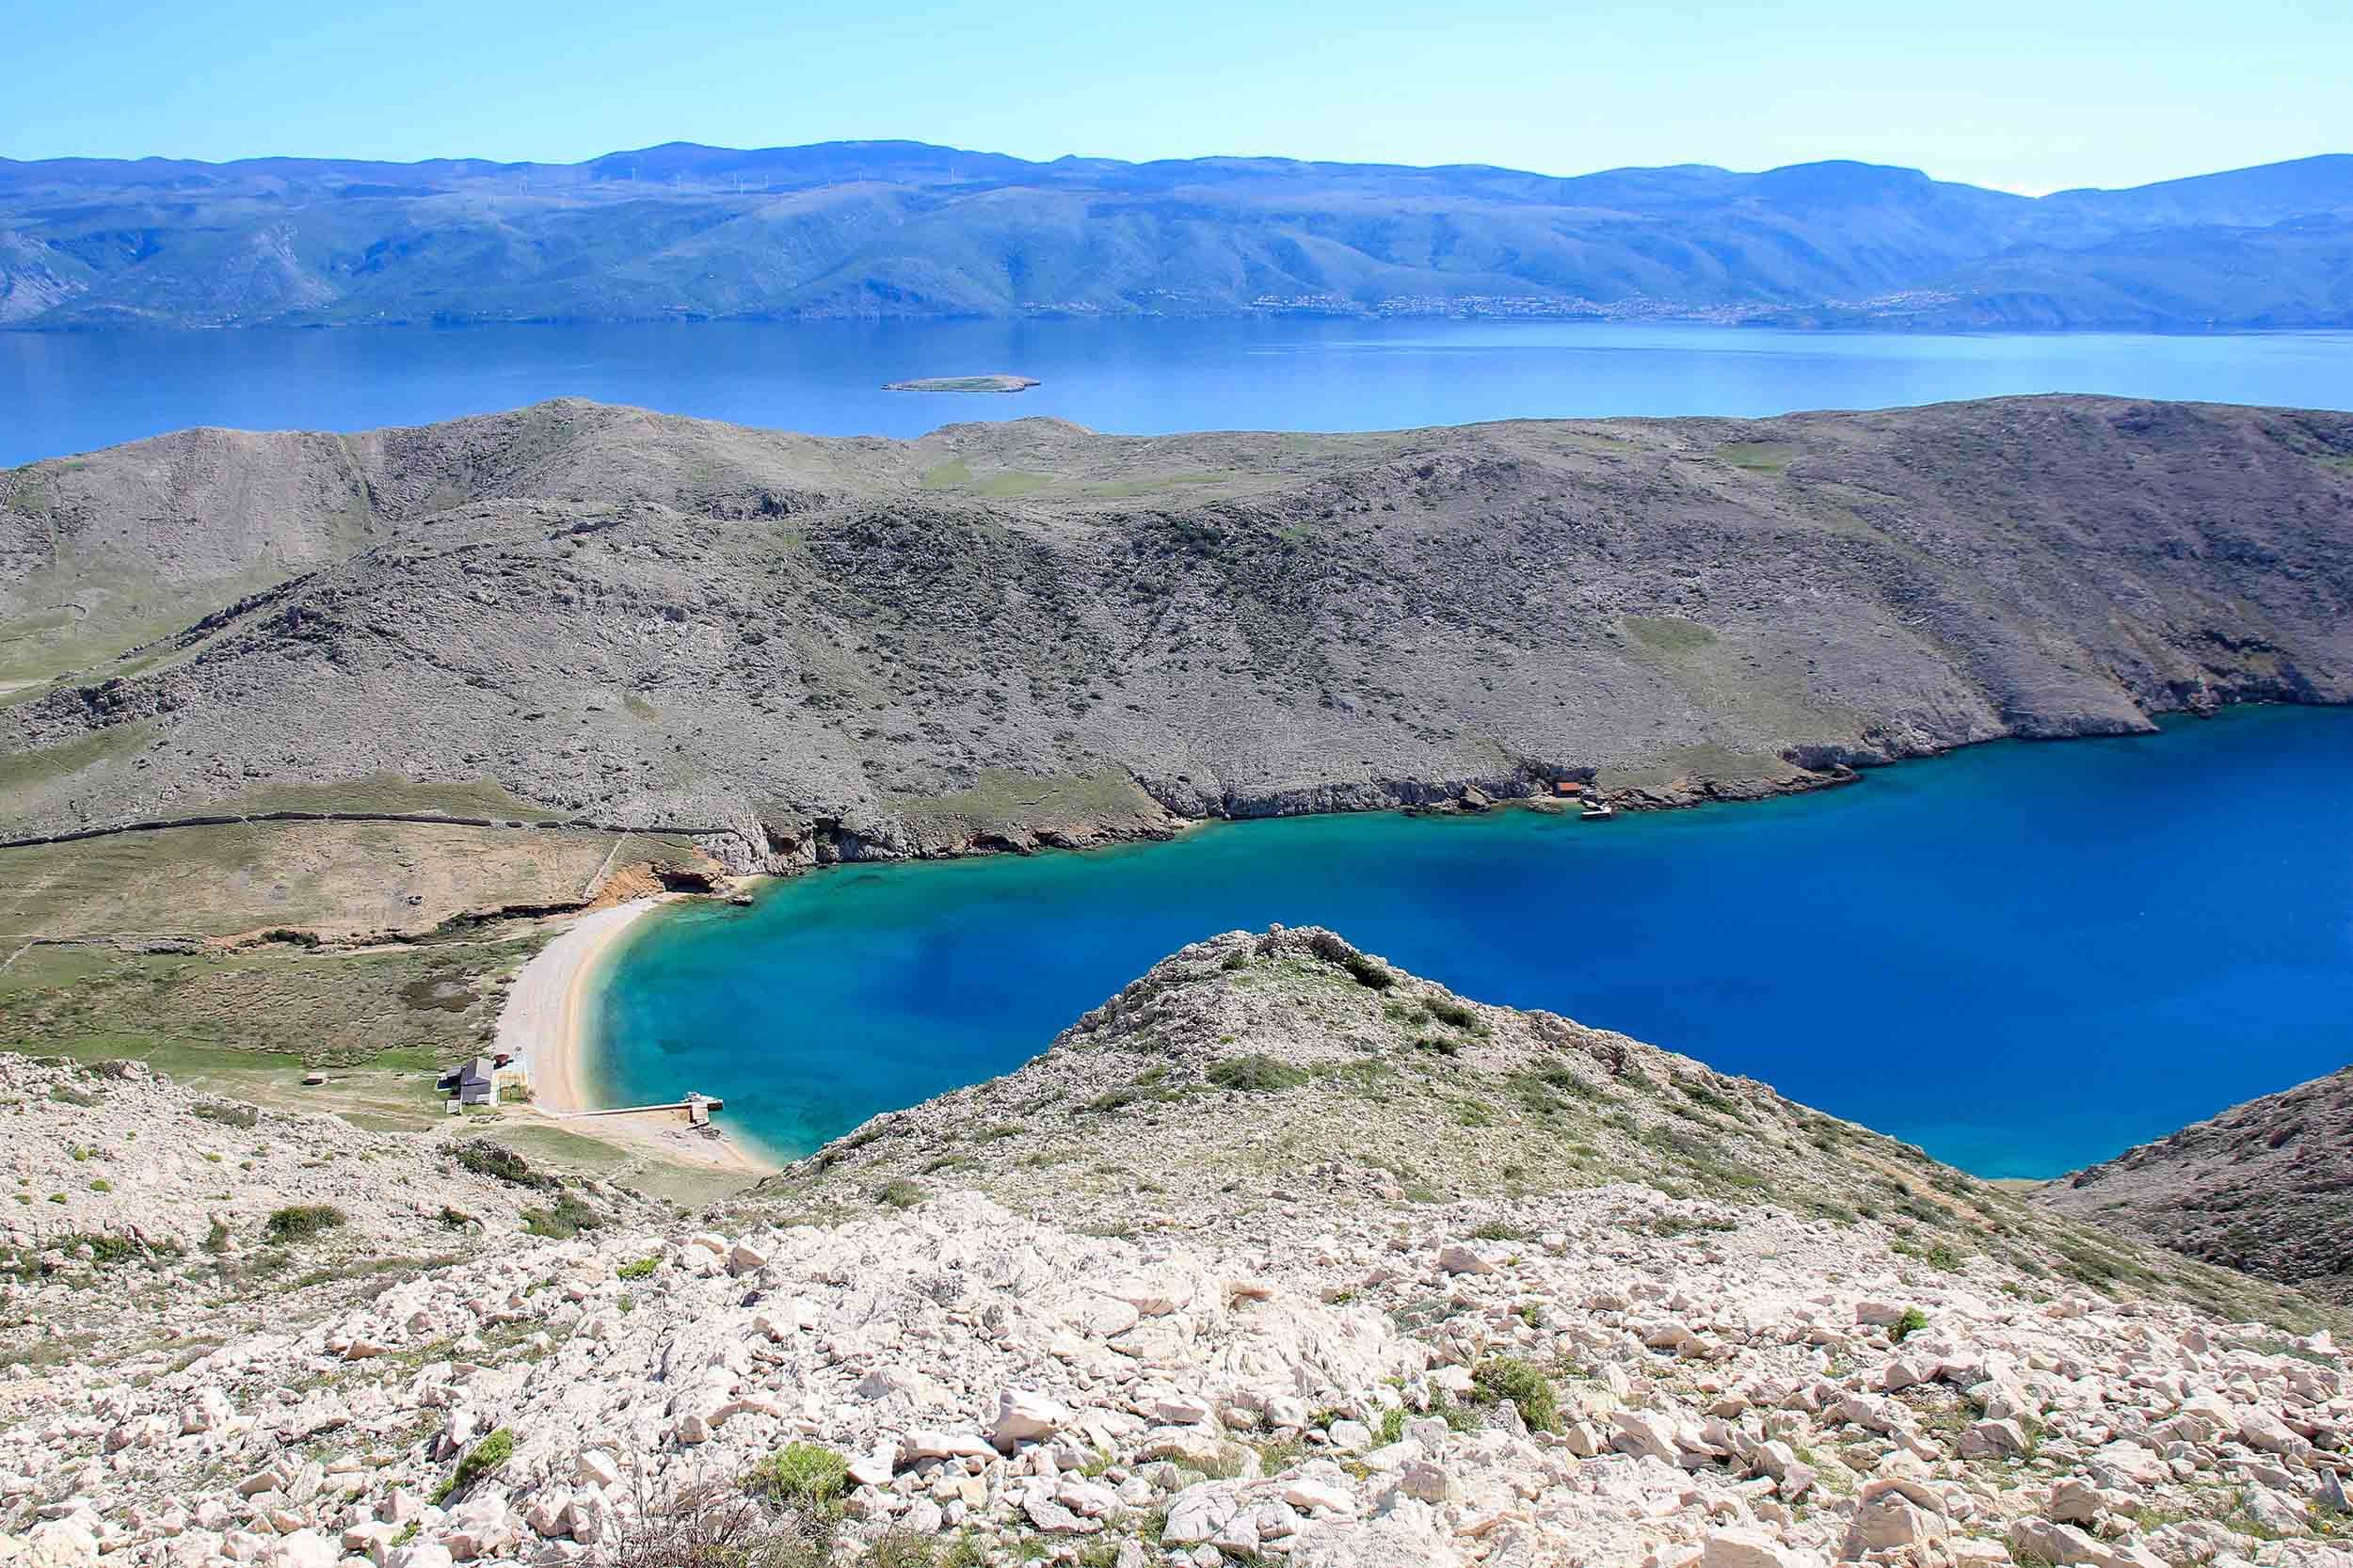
[
  {"x": 2265, "y": 1187},
  {"x": 863, "y": 648},
  {"x": 1010, "y": 1357}
]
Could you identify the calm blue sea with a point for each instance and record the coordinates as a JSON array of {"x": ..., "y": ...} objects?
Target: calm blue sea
[
  {"x": 65, "y": 392},
  {"x": 2024, "y": 956}
]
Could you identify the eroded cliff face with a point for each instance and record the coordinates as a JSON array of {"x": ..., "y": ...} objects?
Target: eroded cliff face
[
  {"x": 2265, "y": 1187},
  {"x": 1282, "y": 1253},
  {"x": 1020, "y": 634}
]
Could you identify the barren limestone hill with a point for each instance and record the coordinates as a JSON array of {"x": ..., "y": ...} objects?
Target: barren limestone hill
[
  {"x": 1160, "y": 1300},
  {"x": 2265, "y": 1187},
  {"x": 805, "y": 649},
  {"x": 1298, "y": 1075}
]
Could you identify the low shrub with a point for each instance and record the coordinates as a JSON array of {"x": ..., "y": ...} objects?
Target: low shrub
[
  {"x": 482, "y": 1458},
  {"x": 1503, "y": 1379},
  {"x": 1255, "y": 1075},
  {"x": 1368, "y": 972},
  {"x": 1911, "y": 1322},
  {"x": 708, "y": 1524},
  {"x": 303, "y": 1220},
  {"x": 484, "y": 1158},
  {"x": 899, "y": 1193},
  {"x": 801, "y": 1476},
  {"x": 562, "y": 1220}
]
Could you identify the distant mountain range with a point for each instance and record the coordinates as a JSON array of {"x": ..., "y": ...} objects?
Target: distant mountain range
[{"x": 903, "y": 228}]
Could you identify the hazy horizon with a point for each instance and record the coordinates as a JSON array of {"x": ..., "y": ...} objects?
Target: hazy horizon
[
  {"x": 297, "y": 155},
  {"x": 2012, "y": 96}
]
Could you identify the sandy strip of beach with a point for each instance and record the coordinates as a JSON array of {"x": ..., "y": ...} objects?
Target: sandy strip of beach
[{"x": 544, "y": 1023}]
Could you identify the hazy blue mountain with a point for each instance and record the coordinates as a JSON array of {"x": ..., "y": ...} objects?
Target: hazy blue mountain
[{"x": 866, "y": 229}]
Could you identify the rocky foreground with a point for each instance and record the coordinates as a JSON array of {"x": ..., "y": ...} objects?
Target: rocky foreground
[{"x": 1607, "y": 1307}]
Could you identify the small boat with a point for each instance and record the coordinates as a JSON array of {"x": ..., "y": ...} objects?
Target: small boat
[{"x": 1596, "y": 810}]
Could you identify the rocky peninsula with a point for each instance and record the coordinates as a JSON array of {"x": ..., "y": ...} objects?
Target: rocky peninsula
[
  {"x": 2267, "y": 1187},
  {"x": 795, "y": 650}
]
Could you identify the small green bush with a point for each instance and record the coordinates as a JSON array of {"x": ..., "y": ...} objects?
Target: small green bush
[
  {"x": 302, "y": 1220},
  {"x": 1911, "y": 1322},
  {"x": 1451, "y": 1013},
  {"x": 1502, "y": 1378},
  {"x": 801, "y": 1475},
  {"x": 899, "y": 1193},
  {"x": 562, "y": 1220},
  {"x": 1368, "y": 972},
  {"x": 482, "y": 1458},
  {"x": 640, "y": 1269},
  {"x": 484, "y": 1158},
  {"x": 1255, "y": 1075}
]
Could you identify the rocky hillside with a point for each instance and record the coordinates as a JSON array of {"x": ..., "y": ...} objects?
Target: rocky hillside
[
  {"x": 2265, "y": 1187},
  {"x": 1010, "y": 633},
  {"x": 1191, "y": 1318},
  {"x": 147, "y": 1219}
]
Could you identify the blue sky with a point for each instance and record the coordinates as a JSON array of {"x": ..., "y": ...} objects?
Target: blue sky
[{"x": 2028, "y": 97}]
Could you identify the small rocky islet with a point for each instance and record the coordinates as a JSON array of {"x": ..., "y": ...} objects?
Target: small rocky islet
[
  {"x": 992, "y": 383},
  {"x": 1281, "y": 1254}
]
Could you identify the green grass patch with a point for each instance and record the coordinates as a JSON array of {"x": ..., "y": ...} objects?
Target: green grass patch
[
  {"x": 1668, "y": 633},
  {"x": 955, "y": 476},
  {"x": 1757, "y": 456}
]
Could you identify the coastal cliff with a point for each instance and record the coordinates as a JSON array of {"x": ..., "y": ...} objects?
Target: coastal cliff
[{"x": 1004, "y": 636}]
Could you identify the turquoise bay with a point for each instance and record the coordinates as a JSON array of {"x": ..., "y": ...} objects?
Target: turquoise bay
[{"x": 2023, "y": 956}]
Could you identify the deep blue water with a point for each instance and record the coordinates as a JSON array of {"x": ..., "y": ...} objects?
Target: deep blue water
[
  {"x": 2024, "y": 956},
  {"x": 61, "y": 393}
]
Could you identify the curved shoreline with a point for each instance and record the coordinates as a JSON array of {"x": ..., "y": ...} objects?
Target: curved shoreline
[{"x": 545, "y": 1024}]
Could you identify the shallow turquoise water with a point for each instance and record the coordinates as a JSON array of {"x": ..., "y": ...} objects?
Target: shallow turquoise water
[{"x": 2023, "y": 956}]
